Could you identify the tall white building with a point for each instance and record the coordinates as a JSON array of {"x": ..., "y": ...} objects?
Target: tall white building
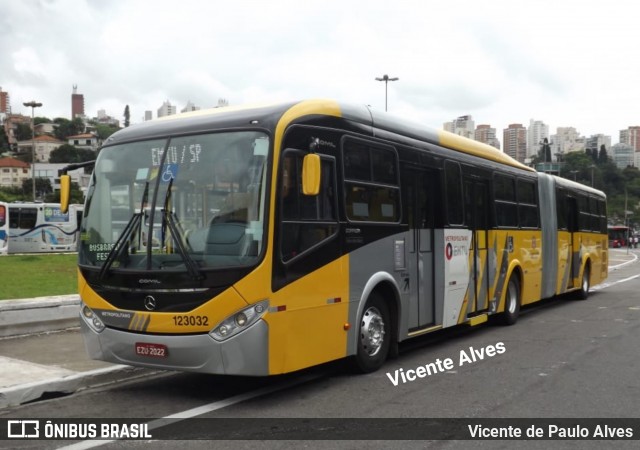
[
  {"x": 167, "y": 109},
  {"x": 189, "y": 107},
  {"x": 567, "y": 140},
  {"x": 536, "y": 134},
  {"x": 631, "y": 136},
  {"x": 463, "y": 126}
]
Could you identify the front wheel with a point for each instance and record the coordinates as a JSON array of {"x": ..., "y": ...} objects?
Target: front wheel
[{"x": 374, "y": 335}]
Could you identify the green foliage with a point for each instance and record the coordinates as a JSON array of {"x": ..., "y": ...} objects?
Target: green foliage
[
  {"x": 602, "y": 156},
  {"x": 68, "y": 127},
  {"x": 127, "y": 116},
  {"x": 67, "y": 153},
  {"x": 43, "y": 187},
  {"x": 11, "y": 194},
  {"x": 23, "y": 132},
  {"x": 104, "y": 131},
  {"x": 38, "y": 275},
  {"x": 4, "y": 141},
  {"x": 44, "y": 192}
]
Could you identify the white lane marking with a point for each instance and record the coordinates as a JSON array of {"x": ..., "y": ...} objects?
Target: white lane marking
[
  {"x": 626, "y": 263},
  {"x": 609, "y": 284},
  {"x": 200, "y": 410}
]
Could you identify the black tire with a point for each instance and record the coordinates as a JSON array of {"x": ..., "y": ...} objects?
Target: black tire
[
  {"x": 585, "y": 284},
  {"x": 512, "y": 301},
  {"x": 374, "y": 335}
]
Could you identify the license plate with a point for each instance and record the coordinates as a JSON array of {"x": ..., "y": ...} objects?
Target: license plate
[{"x": 151, "y": 350}]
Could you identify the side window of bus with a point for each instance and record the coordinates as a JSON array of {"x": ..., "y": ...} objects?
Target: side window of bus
[
  {"x": 561, "y": 210},
  {"x": 372, "y": 191},
  {"x": 23, "y": 218},
  {"x": 527, "y": 204},
  {"x": 453, "y": 189},
  {"x": 504, "y": 192},
  {"x": 602, "y": 212},
  {"x": 584, "y": 217},
  {"x": 306, "y": 220}
]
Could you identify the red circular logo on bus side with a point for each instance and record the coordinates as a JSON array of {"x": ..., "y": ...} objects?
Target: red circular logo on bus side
[{"x": 448, "y": 251}]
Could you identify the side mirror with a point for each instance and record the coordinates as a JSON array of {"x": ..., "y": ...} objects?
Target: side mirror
[
  {"x": 311, "y": 174},
  {"x": 65, "y": 193}
]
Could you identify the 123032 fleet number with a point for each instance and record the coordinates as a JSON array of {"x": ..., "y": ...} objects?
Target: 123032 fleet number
[{"x": 191, "y": 321}]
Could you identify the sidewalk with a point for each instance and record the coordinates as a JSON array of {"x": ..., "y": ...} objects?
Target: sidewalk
[{"x": 42, "y": 352}]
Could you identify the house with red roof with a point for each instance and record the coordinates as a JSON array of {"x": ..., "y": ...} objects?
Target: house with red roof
[
  {"x": 87, "y": 141},
  {"x": 13, "y": 172},
  {"x": 44, "y": 146}
]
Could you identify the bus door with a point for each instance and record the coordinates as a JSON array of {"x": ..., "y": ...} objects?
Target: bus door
[
  {"x": 419, "y": 187},
  {"x": 477, "y": 213}
]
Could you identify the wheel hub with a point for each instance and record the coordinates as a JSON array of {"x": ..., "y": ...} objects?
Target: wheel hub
[{"x": 372, "y": 331}]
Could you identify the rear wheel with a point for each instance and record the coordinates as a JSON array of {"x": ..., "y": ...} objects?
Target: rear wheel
[
  {"x": 374, "y": 335},
  {"x": 585, "y": 282},
  {"x": 511, "y": 301}
]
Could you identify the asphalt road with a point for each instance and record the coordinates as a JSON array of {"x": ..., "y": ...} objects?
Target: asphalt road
[{"x": 563, "y": 359}]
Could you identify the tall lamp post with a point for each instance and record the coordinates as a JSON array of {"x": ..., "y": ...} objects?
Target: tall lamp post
[
  {"x": 33, "y": 105},
  {"x": 386, "y": 80}
]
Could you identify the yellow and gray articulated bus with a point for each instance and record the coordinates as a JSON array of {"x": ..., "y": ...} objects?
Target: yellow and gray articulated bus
[{"x": 263, "y": 240}]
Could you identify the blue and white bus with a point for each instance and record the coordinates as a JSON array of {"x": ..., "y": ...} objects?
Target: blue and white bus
[
  {"x": 4, "y": 228},
  {"x": 42, "y": 227}
]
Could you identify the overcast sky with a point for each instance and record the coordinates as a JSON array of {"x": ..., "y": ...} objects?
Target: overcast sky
[{"x": 565, "y": 62}]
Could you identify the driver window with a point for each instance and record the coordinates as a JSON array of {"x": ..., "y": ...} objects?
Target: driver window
[{"x": 306, "y": 220}]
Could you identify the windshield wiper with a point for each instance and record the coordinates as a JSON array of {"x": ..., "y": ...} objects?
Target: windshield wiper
[
  {"x": 169, "y": 219},
  {"x": 120, "y": 245}
]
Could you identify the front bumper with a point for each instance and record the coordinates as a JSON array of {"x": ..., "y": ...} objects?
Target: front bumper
[{"x": 246, "y": 353}]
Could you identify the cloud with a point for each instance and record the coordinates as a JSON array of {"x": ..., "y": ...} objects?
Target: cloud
[{"x": 568, "y": 63}]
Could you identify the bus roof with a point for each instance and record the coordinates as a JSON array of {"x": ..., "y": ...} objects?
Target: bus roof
[
  {"x": 269, "y": 115},
  {"x": 574, "y": 185}
]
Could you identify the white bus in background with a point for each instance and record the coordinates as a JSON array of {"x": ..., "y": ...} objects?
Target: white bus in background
[
  {"x": 42, "y": 227},
  {"x": 4, "y": 228}
]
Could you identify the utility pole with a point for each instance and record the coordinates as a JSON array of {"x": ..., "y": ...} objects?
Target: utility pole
[{"x": 33, "y": 104}]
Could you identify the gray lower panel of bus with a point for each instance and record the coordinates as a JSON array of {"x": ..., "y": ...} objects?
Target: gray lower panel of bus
[
  {"x": 411, "y": 274},
  {"x": 244, "y": 354}
]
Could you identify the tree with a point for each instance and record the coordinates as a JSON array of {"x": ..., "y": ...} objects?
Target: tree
[
  {"x": 126, "y": 116},
  {"x": 4, "y": 141},
  {"x": 67, "y": 127},
  {"x": 602, "y": 156},
  {"x": 67, "y": 153},
  {"x": 23, "y": 132},
  {"x": 104, "y": 131},
  {"x": 546, "y": 149},
  {"x": 43, "y": 187}
]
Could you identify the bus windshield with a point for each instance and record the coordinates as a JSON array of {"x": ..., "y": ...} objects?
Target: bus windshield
[{"x": 185, "y": 203}]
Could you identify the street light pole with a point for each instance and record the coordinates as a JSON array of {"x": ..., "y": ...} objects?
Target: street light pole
[
  {"x": 33, "y": 105},
  {"x": 386, "y": 80}
]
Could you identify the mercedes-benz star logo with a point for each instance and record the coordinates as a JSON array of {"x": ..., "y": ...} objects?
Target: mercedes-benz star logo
[{"x": 150, "y": 303}]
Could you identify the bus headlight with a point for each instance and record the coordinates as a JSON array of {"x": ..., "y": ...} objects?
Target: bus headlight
[
  {"x": 92, "y": 319},
  {"x": 239, "y": 321}
]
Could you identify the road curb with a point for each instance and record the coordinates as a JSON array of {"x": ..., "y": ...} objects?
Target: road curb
[
  {"x": 40, "y": 314},
  {"x": 24, "y": 393}
]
